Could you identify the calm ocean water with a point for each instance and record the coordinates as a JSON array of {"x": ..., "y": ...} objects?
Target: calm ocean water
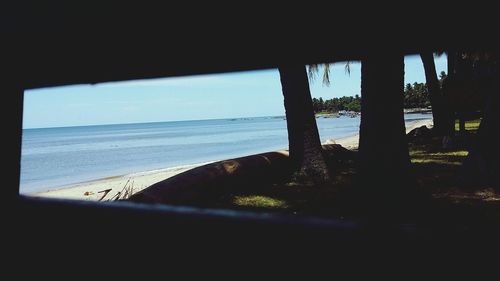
[{"x": 53, "y": 157}]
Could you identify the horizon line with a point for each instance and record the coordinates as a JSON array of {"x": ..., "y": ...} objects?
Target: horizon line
[{"x": 147, "y": 122}]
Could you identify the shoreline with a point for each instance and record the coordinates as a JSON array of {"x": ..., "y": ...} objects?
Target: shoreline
[
  {"x": 136, "y": 180},
  {"x": 93, "y": 190},
  {"x": 352, "y": 142}
]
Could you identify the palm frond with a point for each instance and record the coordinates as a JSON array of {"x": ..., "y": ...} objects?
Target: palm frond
[
  {"x": 326, "y": 75},
  {"x": 347, "y": 68},
  {"x": 312, "y": 71},
  {"x": 439, "y": 54}
]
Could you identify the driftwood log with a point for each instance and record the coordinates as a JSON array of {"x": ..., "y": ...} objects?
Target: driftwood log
[{"x": 214, "y": 179}]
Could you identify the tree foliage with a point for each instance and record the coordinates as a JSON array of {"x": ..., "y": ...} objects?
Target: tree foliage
[
  {"x": 313, "y": 70},
  {"x": 416, "y": 95},
  {"x": 337, "y": 104}
]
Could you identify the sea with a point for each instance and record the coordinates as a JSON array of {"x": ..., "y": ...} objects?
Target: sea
[{"x": 52, "y": 158}]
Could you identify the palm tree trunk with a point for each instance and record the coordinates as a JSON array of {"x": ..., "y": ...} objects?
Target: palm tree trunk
[
  {"x": 383, "y": 149},
  {"x": 305, "y": 149},
  {"x": 482, "y": 166},
  {"x": 436, "y": 98},
  {"x": 447, "y": 123},
  {"x": 461, "y": 122},
  {"x": 450, "y": 57}
]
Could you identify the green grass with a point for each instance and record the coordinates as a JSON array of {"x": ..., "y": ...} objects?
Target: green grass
[
  {"x": 436, "y": 161},
  {"x": 427, "y": 154},
  {"x": 471, "y": 125},
  {"x": 258, "y": 201},
  {"x": 420, "y": 152},
  {"x": 435, "y": 170},
  {"x": 445, "y": 158},
  {"x": 461, "y": 153}
]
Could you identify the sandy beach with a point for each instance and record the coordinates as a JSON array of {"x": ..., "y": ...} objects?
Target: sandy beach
[
  {"x": 95, "y": 190},
  {"x": 352, "y": 141},
  {"x": 137, "y": 181}
]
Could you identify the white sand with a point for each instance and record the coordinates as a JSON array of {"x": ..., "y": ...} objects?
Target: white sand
[
  {"x": 90, "y": 190},
  {"x": 353, "y": 141},
  {"x": 138, "y": 181}
]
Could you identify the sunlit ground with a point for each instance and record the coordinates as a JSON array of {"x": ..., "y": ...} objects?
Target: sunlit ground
[{"x": 436, "y": 171}]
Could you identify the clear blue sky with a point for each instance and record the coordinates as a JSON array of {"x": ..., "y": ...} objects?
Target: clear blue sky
[{"x": 230, "y": 95}]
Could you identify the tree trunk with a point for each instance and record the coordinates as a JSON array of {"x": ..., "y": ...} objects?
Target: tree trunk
[
  {"x": 488, "y": 137},
  {"x": 304, "y": 144},
  {"x": 461, "y": 120},
  {"x": 436, "y": 98},
  {"x": 450, "y": 57},
  {"x": 383, "y": 149},
  {"x": 481, "y": 168},
  {"x": 447, "y": 115}
]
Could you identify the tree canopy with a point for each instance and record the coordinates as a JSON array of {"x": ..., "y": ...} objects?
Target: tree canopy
[
  {"x": 416, "y": 95},
  {"x": 337, "y": 104}
]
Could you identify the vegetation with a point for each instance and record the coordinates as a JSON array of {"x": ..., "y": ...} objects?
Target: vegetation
[
  {"x": 306, "y": 154},
  {"x": 439, "y": 173},
  {"x": 393, "y": 175},
  {"x": 259, "y": 201},
  {"x": 454, "y": 157},
  {"x": 124, "y": 194},
  {"x": 441, "y": 115},
  {"x": 436, "y": 172},
  {"x": 416, "y": 95},
  {"x": 337, "y": 104},
  {"x": 472, "y": 125}
]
